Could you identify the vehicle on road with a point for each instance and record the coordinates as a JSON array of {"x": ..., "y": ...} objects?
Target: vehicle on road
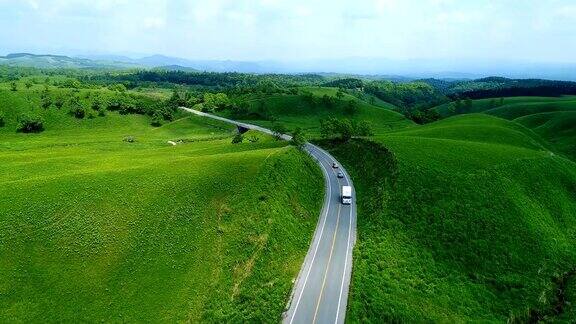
[
  {"x": 346, "y": 195},
  {"x": 335, "y": 165},
  {"x": 340, "y": 174}
]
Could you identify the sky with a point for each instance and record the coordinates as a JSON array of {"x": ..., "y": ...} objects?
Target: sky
[{"x": 288, "y": 30}]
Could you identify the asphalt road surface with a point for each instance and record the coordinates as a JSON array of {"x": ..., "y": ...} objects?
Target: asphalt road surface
[{"x": 320, "y": 292}]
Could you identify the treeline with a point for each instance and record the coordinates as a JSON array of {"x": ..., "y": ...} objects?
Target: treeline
[
  {"x": 202, "y": 79},
  {"x": 347, "y": 83}
]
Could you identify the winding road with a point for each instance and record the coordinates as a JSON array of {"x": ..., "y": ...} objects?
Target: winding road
[{"x": 320, "y": 293}]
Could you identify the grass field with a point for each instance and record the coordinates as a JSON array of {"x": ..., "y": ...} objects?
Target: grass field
[
  {"x": 467, "y": 219},
  {"x": 552, "y": 118},
  {"x": 94, "y": 228},
  {"x": 295, "y": 111}
]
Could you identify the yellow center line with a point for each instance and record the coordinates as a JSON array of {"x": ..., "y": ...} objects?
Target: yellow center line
[{"x": 328, "y": 266}]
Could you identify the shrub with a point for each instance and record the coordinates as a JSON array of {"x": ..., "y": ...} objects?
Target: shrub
[
  {"x": 2, "y": 119},
  {"x": 253, "y": 139},
  {"x": 30, "y": 124},
  {"x": 157, "y": 119},
  {"x": 78, "y": 111},
  {"x": 129, "y": 139},
  {"x": 59, "y": 102},
  {"x": 238, "y": 138},
  {"x": 279, "y": 130},
  {"x": 298, "y": 138}
]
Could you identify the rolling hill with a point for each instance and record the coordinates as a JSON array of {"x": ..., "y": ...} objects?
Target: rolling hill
[
  {"x": 550, "y": 117},
  {"x": 306, "y": 109},
  {"x": 467, "y": 219},
  {"x": 103, "y": 220}
]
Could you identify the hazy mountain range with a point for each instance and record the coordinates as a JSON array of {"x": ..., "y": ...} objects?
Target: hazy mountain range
[{"x": 443, "y": 69}]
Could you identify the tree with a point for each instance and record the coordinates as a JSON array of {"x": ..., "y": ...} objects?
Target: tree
[
  {"x": 351, "y": 107},
  {"x": 30, "y": 124},
  {"x": 13, "y": 86},
  {"x": 279, "y": 130},
  {"x": 59, "y": 102},
  {"x": 45, "y": 100},
  {"x": 157, "y": 119},
  {"x": 362, "y": 128},
  {"x": 298, "y": 138},
  {"x": 240, "y": 110},
  {"x": 175, "y": 100},
  {"x": 337, "y": 128},
  {"x": 75, "y": 108},
  {"x": 78, "y": 112},
  {"x": 117, "y": 87},
  {"x": 97, "y": 104},
  {"x": 238, "y": 138},
  {"x": 216, "y": 101},
  {"x": 328, "y": 101},
  {"x": 340, "y": 94},
  {"x": 2, "y": 119},
  {"x": 28, "y": 84}
]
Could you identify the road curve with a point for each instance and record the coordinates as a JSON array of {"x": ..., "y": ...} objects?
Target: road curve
[{"x": 320, "y": 293}]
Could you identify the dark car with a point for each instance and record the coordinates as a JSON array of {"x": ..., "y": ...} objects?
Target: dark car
[
  {"x": 335, "y": 165},
  {"x": 340, "y": 174}
]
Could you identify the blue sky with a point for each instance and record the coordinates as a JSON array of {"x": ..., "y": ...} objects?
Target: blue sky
[{"x": 543, "y": 31}]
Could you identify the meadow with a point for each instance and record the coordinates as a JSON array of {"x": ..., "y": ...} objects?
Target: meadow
[
  {"x": 306, "y": 109},
  {"x": 552, "y": 118},
  {"x": 466, "y": 219},
  {"x": 103, "y": 220}
]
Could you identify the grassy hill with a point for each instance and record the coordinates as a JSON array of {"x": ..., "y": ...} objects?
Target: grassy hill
[
  {"x": 306, "y": 112},
  {"x": 467, "y": 219},
  {"x": 552, "y": 118},
  {"x": 96, "y": 228}
]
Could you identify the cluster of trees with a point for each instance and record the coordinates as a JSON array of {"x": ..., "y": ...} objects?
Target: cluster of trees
[
  {"x": 347, "y": 83},
  {"x": 230, "y": 81},
  {"x": 423, "y": 116},
  {"x": 30, "y": 124},
  {"x": 349, "y": 107},
  {"x": 411, "y": 95},
  {"x": 343, "y": 129}
]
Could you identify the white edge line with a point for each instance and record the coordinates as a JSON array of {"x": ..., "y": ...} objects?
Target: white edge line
[
  {"x": 317, "y": 243},
  {"x": 329, "y": 158},
  {"x": 347, "y": 244}
]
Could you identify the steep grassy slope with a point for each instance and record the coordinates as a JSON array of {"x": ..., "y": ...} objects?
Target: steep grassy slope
[
  {"x": 94, "y": 228},
  {"x": 457, "y": 223},
  {"x": 299, "y": 111}
]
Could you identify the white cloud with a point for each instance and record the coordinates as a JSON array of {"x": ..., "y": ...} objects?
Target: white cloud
[{"x": 261, "y": 29}]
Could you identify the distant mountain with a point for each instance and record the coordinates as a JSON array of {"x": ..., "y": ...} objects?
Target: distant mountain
[
  {"x": 376, "y": 68},
  {"x": 59, "y": 62},
  {"x": 175, "y": 68}
]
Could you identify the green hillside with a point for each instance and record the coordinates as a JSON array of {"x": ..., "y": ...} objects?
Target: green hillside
[
  {"x": 559, "y": 128},
  {"x": 103, "y": 220},
  {"x": 552, "y": 118},
  {"x": 306, "y": 112},
  {"x": 467, "y": 219},
  {"x": 483, "y": 105}
]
